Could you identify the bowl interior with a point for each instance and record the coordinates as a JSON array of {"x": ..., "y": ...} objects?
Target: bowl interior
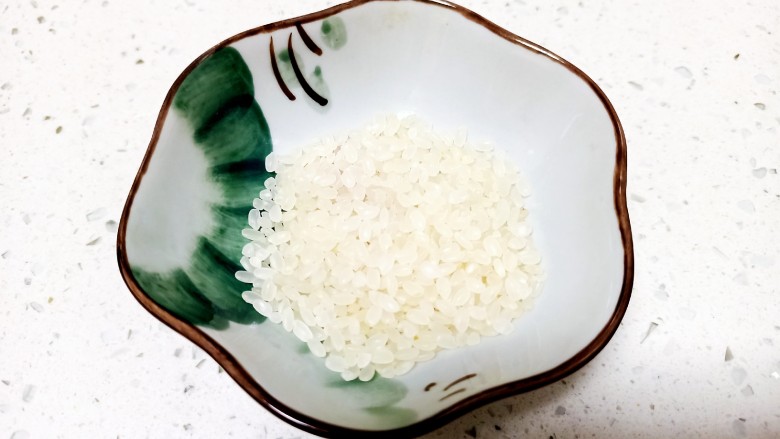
[{"x": 181, "y": 231}]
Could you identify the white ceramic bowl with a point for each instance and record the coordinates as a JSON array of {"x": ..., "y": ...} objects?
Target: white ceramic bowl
[{"x": 179, "y": 240}]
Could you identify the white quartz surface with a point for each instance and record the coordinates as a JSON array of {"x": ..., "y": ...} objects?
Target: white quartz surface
[{"x": 695, "y": 83}]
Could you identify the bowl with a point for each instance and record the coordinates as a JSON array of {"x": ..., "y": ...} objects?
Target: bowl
[{"x": 281, "y": 85}]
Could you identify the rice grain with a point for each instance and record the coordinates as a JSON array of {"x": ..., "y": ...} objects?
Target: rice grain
[{"x": 380, "y": 247}]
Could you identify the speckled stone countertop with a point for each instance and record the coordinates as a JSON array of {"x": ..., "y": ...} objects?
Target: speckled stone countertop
[{"x": 696, "y": 86}]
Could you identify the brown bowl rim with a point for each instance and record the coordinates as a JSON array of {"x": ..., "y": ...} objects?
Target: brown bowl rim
[{"x": 321, "y": 428}]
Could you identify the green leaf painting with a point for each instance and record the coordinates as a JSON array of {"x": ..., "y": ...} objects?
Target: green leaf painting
[{"x": 228, "y": 126}]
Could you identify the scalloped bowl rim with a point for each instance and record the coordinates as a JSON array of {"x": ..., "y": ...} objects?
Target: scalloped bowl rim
[{"x": 226, "y": 360}]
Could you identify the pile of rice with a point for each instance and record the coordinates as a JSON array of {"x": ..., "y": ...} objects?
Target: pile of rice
[{"x": 384, "y": 246}]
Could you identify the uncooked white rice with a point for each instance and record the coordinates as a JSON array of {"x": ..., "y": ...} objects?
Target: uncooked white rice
[{"x": 384, "y": 246}]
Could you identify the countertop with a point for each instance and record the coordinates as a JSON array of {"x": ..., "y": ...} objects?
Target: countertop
[{"x": 695, "y": 84}]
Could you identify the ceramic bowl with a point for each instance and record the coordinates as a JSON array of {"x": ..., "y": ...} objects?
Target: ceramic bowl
[{"x": 285, "y": 84}]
